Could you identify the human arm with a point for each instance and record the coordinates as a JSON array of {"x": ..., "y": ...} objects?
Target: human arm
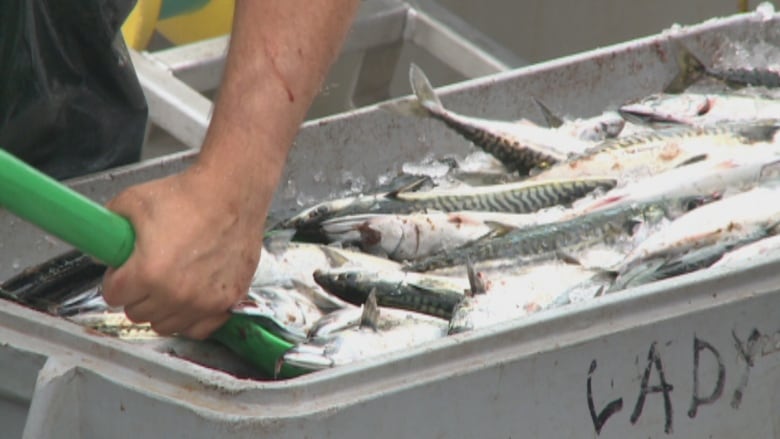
[{"x": 199, "y": 233}]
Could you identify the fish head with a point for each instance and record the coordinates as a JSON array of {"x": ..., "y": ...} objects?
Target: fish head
[
  {"x": 350, "y": 284},
  {"x": 307, "y": 356},
  {"x": 339, "y": 279},
  {"x": 661, "y": 110}
]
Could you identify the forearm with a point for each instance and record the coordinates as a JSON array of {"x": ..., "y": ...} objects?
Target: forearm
[
  {"x": 279, "y": 54},
  {"x": 198, "y": 233}
]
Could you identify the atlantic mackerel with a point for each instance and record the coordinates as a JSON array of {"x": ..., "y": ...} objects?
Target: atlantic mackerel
[
  {"x": 380, "y": 331},
  {"x": 423, "y": 293},
  {"x": 699, "y": 109},
  {"x": 519, "y": 146},
  {"x": 521, "y": 197},
  {"x": 693, "y": 69},
  {"x": 700, "y": 237},
  {"x": 404, "y": 237},
  {"x": 541, "y": 242},
  {"x": 641, "y": 155}
]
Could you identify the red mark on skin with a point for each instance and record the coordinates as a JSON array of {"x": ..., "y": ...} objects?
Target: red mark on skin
[
  {"x": 369, "y": 236},
  {"x": 669, "y": 152},
  {"x": 278, "y": 73},
  {"x": 603, "y": 202},
  {"x": 487, "y": 283},
  {"x": 461, "y": 220},
  {"x": 705, "y": 108},
  {"x": 532, "y": 307}
]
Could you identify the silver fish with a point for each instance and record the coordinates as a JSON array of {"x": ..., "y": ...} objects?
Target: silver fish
[
  {"x": 403, "y": 237},
  {"x": 542, "y": 242},
  {"x": 335, "y": 321},
  {"x": 607, "y": 125},
  {"x": 91, "y": 300},
  {"x": 698, "y": 238},
  {"x": 698, "y": 182},
  {"x": 750, "y": 254},
  {"x": 639, "y": 156},
  {"x": 692, "y": 69},
  {"x": 379, "y": 333},
  {"x": 291, "y": 265},
  {"x": 521, "y": 147},
  {"x": 700, "y": 109},
  {"x": 283, "y": 311},
  {"x": 423, "y": 293},
  {"x": 494, "y": 299},
  {"x": 520, "y": 197}
]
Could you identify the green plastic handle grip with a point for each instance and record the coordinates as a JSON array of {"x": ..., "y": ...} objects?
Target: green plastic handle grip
[
  {"x": 64, "y": 212},
  {"x": 110, "y": 238}
]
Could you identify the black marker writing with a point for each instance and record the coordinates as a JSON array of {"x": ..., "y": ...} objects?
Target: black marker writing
[
  {"x": 746, "y": 351},
  {"x": 613, "y": 407},
  {"x": 653, "y": 359},
  {"x": 697, "y": 400}
]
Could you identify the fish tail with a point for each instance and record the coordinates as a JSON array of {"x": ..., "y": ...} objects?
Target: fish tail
[
  {"x": 423, "y": 89},
  {"x": 691, "y": 69},
  {"x": 427, "y": 103}
]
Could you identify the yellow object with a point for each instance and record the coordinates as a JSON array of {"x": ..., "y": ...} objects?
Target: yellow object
[
  {"x": 212, "y": 20},
  {"x": 139, "y": 26}
]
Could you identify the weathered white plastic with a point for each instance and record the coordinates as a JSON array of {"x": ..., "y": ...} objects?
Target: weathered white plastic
[{"x": 694, "y": 356}]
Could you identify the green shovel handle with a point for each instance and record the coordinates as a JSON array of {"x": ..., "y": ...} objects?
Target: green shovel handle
[
  {"x": 64, "y": 213},
  {"x": 110, "y": 238}
]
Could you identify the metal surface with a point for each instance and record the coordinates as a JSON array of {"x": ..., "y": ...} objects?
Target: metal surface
[
  {"x": 174, "y": 106},
  {"x": 690, "y": 357},
  {"x": 173, "y": 78}
]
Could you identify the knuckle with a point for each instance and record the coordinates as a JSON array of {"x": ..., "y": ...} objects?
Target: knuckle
[
  {"x": 163, "y": 328},
  {"x": 135, "y": 316},
  {"x": 110, "y": 292}
]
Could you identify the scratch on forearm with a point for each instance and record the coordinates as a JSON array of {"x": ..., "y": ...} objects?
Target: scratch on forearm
[{"x": 272, "y": 61}]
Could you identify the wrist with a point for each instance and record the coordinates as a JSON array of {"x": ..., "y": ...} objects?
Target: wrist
[{"x": 230, "y": 189}]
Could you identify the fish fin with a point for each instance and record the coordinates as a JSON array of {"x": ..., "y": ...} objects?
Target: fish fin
[
  {"x": 335, "y": 258},
  {"x": 370, "y": 316},
  {"x": 498, "y": 229},
  {"x": 571, "y": 259},
  {"x": 411, "y": 187},
  {"x": 278, "y": 241},
  {"x": 476, "y": 282},
  {"x": 423, "y": 89},
  {"x": 553, "y": 120},
  {"x": 760, "y": 131},
  {"x": 638, "y": 274},
  {"x": 638, "y": 117},
  {"x": 690, "y": 70},
  {"x": 691, "y": 160},
  {"x": 567, "y": 258}
]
